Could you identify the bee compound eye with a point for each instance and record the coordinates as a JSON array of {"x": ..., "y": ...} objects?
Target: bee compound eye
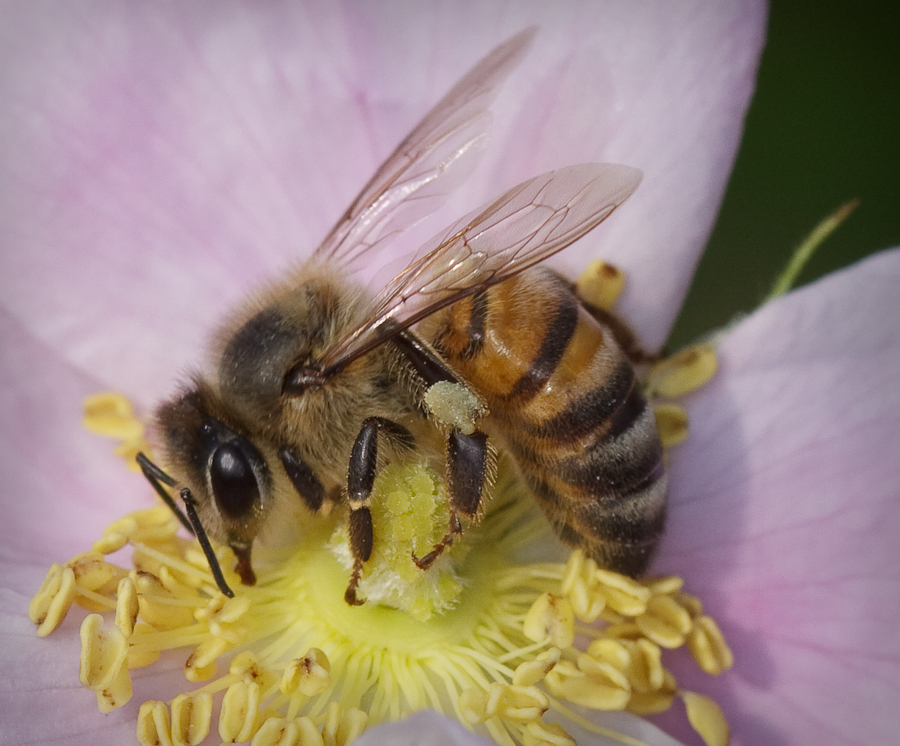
[{"x": 234, "y": 484}]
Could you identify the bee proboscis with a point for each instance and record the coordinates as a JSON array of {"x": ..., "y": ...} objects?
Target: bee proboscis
[{"x": 314, "y": 383}]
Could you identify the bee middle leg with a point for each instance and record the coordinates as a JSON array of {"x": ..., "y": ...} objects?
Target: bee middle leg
[
  {"x": 468, "y": 466},
  {"x": 360, "y": 480}
]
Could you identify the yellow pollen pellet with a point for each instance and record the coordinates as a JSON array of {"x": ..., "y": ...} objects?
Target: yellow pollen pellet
[
  {"x": 53, "y": 600},
  {"x": 126, "y": 606},
  {"x": 240, "y": 708},
  {"x": 531, "y": 672},
  {"x": 473, "y": 705},
  {"x": 191, "y": 717},
  {"x": 310, "y": 675},
  {"x": 201, "y": 664},
  {"x": 153, "y": 724},
  {"x": 550, "y": 616},
  {"x": 708, "y": 646},
  {"x": 706, "y": 718},
  {"x": 539, "y": 733},
  {"x": 672, "y": 423},
  {"x": 110, "y": 415},
  {"x": 684, "y": 372},
  {"x": 277, "y": 732},
  {"x": 600, "y": 284}
]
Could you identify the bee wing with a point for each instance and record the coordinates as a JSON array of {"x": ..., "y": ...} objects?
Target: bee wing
[
  {"x": 520, "y": 228},
  {"x": 433, "y": 159}
]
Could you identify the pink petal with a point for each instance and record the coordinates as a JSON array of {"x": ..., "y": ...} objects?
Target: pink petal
[
  {"x": 160, "y": 159},
  {"x": 785, "y": 512}
]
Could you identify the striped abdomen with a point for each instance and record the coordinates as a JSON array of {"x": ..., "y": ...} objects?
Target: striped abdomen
[{"x": 565, "y": 401}]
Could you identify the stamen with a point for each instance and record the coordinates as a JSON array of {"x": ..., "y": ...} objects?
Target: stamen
[
  {"x": 706, "y": 718},
  {"x": 191, "y": 717},
  {"x": 672, "y": 423},
  {"x": 684, "y": 372},
  {"x": 600, "y": 284}
]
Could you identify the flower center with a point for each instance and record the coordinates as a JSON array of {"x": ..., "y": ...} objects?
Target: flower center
[{"x": 481, "y": 636}]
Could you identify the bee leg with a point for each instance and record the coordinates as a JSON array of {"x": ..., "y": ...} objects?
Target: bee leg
[
  {"x": 468, "y": 466},
  {"x": 360, "y": 479},
  {"x": 304, "y": 479}
]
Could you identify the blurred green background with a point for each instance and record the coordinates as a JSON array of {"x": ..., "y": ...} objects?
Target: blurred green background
[{"x": 823, "y": 128}]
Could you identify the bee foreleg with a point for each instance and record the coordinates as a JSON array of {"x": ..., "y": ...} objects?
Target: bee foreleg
[
  {"x": 304, "y": 479},
  {"x": 468, "y": 466},
  {"x": 360, "y": 480}
]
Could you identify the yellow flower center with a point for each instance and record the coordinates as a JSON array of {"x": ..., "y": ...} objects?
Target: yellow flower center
[{"x": 481, "y": 636}]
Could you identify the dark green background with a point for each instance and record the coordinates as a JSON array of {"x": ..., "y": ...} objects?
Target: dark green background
[{"x": 823, "y": 128}]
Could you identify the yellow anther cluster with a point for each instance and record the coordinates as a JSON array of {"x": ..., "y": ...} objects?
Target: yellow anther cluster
[{"x": 110, "y": 414}]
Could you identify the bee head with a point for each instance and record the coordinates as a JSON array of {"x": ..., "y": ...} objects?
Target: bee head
[{"x": 226, "y": 474}]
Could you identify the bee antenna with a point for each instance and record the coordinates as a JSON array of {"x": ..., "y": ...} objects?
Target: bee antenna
[
  {"x": 200, "y": 532},
  {"x": 157, "y": 478}
]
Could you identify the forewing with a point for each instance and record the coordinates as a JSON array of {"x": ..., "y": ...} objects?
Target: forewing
[
  {"x": 434, "y": 158},
  {"x": 522, "y": 227}
]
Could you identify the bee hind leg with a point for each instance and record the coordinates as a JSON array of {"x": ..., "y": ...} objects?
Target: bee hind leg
[
  {"x": 360, "y": 480},
  {"x": 469, "y": 460}
]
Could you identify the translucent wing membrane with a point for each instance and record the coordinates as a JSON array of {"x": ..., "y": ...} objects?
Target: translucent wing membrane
[
  {"x": 522, "y": 227},
  {"x": 433, "y": 160}
]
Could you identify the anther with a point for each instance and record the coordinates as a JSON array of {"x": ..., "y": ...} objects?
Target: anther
[
  {"x": 684, "y": 372},
  {"x": 539, "y": 733},
  {"x": 310, "y": 675},
  {"x": 53, "y": 600},
  {"x": 600, "y": 284},
  {"x": 550, "y": 617},
  {"x": 153, "y": 724},
  {"x": 127, "y": 607},
  {"x": 672, "y": 423},
  {"x": 706, "y": 718},
  {"x": 665, "y": 622},
  {"x": 240, "y": 709},
  {"x": 191, "y": 717},
  {"x": 708, "y": 646}
]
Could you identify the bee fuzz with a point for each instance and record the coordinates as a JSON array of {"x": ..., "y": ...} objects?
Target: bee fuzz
[
  {"x": 550, "y": 617},
  {"x": 684, "y": 372},
  {"x": 600, "y": 284},
  {"x": 454, "y": 405}
]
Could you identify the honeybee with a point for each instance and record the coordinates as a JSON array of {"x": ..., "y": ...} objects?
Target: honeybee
[{"x": 315, "y": 383}]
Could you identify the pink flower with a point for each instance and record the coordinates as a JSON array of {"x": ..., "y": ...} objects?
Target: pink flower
[{"x": 160, "y": 160}]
